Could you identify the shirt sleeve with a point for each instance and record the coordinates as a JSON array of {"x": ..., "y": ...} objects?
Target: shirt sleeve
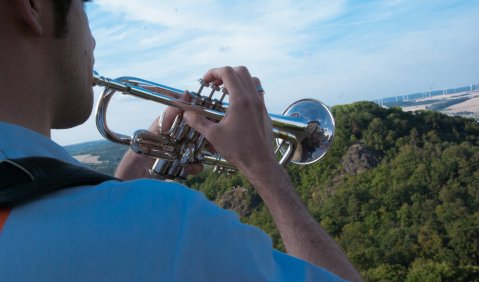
[
  {"x": 140, "y": 231},
  {"x": 218, "y": 247}
]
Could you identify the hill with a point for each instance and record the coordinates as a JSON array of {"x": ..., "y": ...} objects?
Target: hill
[
  {"x": 101, "y": 155},
  {"x": 398, "y": 190}
]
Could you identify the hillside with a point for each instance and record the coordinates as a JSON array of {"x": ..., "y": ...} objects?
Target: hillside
[
  {"x": 398, "y": 190},
  {"x": 101, "y": 155}
]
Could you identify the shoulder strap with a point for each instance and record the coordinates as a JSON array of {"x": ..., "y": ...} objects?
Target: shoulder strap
[
  {"x": 3, "y": 216},
  {"x": 22, "y": 180}
]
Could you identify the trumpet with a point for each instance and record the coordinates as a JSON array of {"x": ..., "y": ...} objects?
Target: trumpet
[{"x": 303, "y": 133}]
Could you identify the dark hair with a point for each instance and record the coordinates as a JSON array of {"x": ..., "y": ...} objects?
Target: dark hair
[{"x": 62, "y": 7}]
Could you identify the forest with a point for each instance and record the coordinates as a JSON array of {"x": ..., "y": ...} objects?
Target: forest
[{"x": 398, "y": 191}]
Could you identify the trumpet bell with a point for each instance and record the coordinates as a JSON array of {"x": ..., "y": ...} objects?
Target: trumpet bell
[{"x": 314, "y": 144}]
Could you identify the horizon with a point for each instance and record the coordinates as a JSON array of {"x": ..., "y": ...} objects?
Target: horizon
[{"x": 299, "y": 49}]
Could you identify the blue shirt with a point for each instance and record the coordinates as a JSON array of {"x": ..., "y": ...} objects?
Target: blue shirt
[{"x": 142, "y": 230}]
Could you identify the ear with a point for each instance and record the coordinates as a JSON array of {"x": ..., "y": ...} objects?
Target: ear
[{"x": 29, "y": 12}]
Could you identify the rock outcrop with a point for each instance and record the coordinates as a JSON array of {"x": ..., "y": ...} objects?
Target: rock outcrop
[{"x": 360, "y": 158}]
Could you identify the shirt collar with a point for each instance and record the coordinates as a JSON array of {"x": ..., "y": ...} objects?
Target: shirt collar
[{"x": 20, "y": 142}]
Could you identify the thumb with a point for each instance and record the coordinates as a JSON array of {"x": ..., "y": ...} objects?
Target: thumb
[{"x": 199, "y": 122}]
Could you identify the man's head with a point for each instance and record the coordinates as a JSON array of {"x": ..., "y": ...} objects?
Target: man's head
[
  {"x": 75, "y": 61},
  {"x": 46, "y": 49}
]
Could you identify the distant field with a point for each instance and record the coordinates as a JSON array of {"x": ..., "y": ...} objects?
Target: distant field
[
  {"x": 101, "y": 155},
  {"x": 471, "y": 105},
  {"x": 88, "y": 159},
  {"x": 464, "y": 104}
]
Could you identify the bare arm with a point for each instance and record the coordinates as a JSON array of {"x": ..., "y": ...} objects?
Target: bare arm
[
  {"x": 244, "y": 137},
  {"x": 303, "y": 237}
]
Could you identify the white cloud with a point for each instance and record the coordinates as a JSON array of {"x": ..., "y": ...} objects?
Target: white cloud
[
  {"x": 224, "y": 15},
  {"x": 335, "y": 51}
]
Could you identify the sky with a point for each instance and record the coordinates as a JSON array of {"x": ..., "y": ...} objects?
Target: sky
[{"x": 338, "y": 52}]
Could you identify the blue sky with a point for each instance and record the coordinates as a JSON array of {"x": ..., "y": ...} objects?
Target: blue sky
[{"x": 335, "y": 51}]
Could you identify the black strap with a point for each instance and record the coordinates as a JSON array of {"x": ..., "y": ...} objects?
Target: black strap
[{"x": 23, "y": 180}]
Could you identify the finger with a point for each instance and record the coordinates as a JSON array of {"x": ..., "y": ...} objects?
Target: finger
[
  {"x": 199, "y": 123},
  {"x": 251, "y": 85},
  {"x": 228, "y": 77},
  {"x": 246, "y": 80},
  {"x": 169, "y": 115},
  {"x": 213, "y": 75},
  {"x": 259, "y": 88},
  {"x": 167, "y": 119}
]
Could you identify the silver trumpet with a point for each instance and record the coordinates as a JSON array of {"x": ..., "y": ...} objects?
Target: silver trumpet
[{"x": 303, "y": 133}]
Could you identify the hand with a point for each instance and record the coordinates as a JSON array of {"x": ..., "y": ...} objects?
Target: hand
[
  {"x": 244, "y": 136},
  {"x": 133, "y": 166}
]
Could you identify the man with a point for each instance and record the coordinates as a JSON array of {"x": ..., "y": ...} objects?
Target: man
[{"x": 141, "y": 230}]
